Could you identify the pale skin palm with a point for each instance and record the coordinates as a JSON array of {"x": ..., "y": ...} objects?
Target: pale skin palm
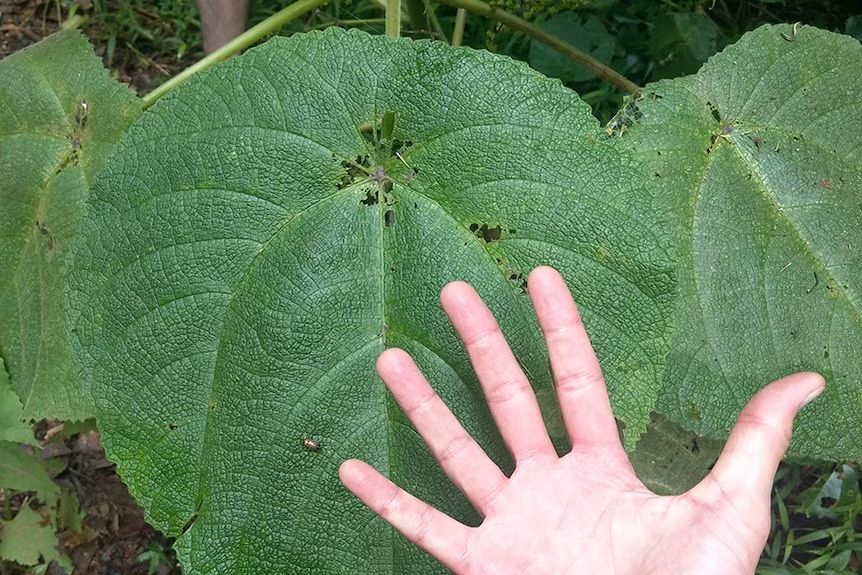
[{"x": 585, "y": 512}]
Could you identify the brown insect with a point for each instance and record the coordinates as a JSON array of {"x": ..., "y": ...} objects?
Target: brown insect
[{"x": 311, "y": 444}]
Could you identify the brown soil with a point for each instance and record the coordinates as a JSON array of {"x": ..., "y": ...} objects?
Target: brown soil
[{"x": 113, "y": 533}]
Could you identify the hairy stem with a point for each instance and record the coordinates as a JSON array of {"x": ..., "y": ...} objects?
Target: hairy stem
[
  {"x": 458, "y": 32},
  {"x": 393, "y": 18},
  {"x": 249, "y": 37},
  {"x": 570, "y": 52}
]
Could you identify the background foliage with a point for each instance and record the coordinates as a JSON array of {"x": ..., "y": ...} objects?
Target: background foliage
[{"x": 674, "y": 39}]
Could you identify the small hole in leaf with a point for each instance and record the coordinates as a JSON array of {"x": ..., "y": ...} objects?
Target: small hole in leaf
[
  {"x": 486, "y": 233},
  {"x": 370, "y": 198},
  {"x": 714, "y": 111},
  {"x": 474, "y": 227},
  {"x": 398, "y": 146},
  {"x": 389, "y": 218},
  {"x": 172, "y": 426}
]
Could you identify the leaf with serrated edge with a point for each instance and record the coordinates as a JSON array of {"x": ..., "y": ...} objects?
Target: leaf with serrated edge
[
  {"x": 239, "y": 271},
  {"x": 758, "y": 159},
  {"x": 12, "y": 425},
  {"x": 29, "y": 537},
  {"x": 60, "y": 116},
  {"x": 21, "y": 471}
]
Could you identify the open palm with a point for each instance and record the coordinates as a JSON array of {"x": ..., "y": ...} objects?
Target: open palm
[{"x": 585, "y": 512}]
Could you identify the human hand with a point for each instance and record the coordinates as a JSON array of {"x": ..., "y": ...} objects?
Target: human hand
[{"x": 585, "y": 512}]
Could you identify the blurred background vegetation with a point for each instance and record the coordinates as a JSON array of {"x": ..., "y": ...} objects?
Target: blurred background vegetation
[{"x": 817, "y": 508}]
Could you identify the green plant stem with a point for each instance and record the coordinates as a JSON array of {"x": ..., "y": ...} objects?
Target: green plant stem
[
  {"x": 249, "y": 37},
  {"x": 458, "y": 32},
  {"x": 435, "y": 22},
  {"x": 346, "y": 23},
  {"x": 521, "y": 25},
  {"x": 393, "y": 18},
  {"x": 75, "y": 21}
]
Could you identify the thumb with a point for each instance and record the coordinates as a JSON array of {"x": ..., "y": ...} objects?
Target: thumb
[{"x": 761, "y": 435}]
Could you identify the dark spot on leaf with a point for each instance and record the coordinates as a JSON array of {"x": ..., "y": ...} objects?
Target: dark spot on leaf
[
  {"x": 353, "y": 170},
  {"x": 758, "y": 142},
  {"x": 46, "y": 234},
  {"x": 520, "y": 280},
  {"x": 172, "y": 426},
  {"x": 825, "y": 353},
  {"x": 398, "y": 146},
  {"x": 369, "y": 134},
  {"x": 486, "y": 233},
  {"x": 656, "y": 175},
  {"x": 712, "y": 139},
  {"x": 513, "y": 231},
  {"x": 658, "y": 152},
  {"x": 694, "y": 446},
  {"x": 387, "y": 187},
  {"x": 389, "y": 218},
  {"x": 81, "y": 114},
  {"x": 624, "y": 119},
  {"x": 714, "y": 111},
  {"x": 370, "y": 198}
]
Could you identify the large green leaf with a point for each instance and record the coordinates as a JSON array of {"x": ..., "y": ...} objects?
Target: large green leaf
[
  {"x": 257, "y": 241},
  {"x": 60, "y": 116},
  {"x": 758, "y": 159}
]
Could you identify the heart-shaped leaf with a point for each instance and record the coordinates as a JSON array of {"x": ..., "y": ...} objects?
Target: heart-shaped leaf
[
  {"x": 267, "y": 229},
  {"x": 758, "y": 159}
]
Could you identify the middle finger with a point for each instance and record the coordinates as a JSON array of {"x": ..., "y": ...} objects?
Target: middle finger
[{"x": 507, "y": 391}]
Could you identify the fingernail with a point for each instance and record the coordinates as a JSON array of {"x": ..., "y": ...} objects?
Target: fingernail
[{"x": 812, "y": 396}]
